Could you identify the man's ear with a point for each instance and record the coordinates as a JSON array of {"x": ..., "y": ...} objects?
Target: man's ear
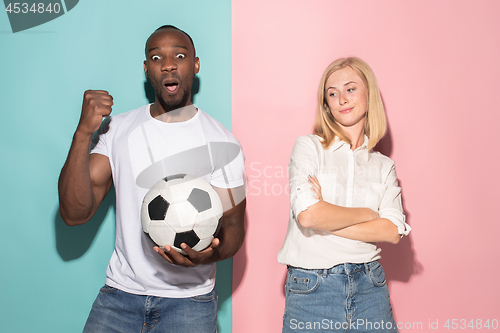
[
  {"x": 196, "y": 65},
  {"x": 146, "y": 69}
]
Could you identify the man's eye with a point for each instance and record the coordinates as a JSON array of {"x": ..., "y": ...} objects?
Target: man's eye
[
  {"x": 155, "y": 57},
  {"x": 181, "y": 56}
]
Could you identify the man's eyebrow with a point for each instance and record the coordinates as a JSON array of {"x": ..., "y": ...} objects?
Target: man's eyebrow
[
  {"x": 153, "y": 48},
  {"x": 174, "y": 46}
]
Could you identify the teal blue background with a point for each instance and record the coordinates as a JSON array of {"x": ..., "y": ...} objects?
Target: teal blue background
[{"x": 51, "y": 273}]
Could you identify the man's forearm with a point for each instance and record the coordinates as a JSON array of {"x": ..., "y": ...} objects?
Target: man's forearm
[{"x": 232, "y": 233}]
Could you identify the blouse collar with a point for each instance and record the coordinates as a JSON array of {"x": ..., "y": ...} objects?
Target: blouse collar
[{"x": 339, "y": 143}]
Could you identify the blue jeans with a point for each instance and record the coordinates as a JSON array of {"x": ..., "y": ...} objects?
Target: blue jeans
[
  {"x": 344, "y": 298},
  {"x": 117, "y": 311}
]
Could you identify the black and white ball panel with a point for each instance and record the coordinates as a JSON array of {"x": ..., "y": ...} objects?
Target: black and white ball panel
[{"x": 181, "y": 209}]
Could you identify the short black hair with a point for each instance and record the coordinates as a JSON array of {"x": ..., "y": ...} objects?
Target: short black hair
[{"x": 169, "y": 26}]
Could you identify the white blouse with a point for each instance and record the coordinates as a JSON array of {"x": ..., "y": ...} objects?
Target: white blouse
[{"x": 358, "y": 178}]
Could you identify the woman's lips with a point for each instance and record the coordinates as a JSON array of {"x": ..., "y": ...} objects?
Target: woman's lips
[{"x": 346, "y": 110}]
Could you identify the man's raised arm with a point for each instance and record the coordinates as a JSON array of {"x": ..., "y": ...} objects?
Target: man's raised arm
[{"x": 85, "y": 179}]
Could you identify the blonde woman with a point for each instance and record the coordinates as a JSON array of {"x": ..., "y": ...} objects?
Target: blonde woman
[{"x": 344, "y": 198}]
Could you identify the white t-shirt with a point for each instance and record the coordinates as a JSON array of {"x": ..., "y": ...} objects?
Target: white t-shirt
[
  {"x": 141, "y": 151},
  {"x": 358, "y": 178}
]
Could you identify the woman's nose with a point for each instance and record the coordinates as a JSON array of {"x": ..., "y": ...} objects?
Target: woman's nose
[{"x": 342, "y": 99}]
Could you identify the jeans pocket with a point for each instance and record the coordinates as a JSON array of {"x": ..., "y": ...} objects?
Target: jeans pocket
[
  {"x": 301, "y": 281},
  {"x": 377, "y": 274},
  {"x": 206, "y": 297},
  {"x": 107, "y": 289}
]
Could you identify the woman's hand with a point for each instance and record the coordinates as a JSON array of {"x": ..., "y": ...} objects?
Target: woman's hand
[{"x": 316, "y": 187}]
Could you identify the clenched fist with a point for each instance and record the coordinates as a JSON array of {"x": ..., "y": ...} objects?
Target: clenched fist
[{"x": 96, "y": 105}]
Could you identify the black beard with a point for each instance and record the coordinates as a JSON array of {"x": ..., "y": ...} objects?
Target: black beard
[{"x": 172, "y": 106}]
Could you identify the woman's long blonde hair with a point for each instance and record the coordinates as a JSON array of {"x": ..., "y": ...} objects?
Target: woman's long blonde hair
[{"x": 375, "y": 125}]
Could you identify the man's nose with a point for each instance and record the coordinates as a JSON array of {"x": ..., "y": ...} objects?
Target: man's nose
[{"x": 169, "y": 65}]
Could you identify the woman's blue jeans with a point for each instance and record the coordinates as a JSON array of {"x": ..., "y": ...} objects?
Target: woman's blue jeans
[
  {"x": 117, "y": 311},
  {"x": 345, "y": 298}
]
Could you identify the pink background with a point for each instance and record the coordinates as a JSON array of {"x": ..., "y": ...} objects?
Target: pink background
[{"x": 437, "y": 64}]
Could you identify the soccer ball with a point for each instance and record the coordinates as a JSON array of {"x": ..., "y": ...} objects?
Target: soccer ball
[{"x": 181, "y": 209}]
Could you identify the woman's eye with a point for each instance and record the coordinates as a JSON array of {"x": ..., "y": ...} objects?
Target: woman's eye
[
  {"x": 333, "y": 94},
  {"x": 181, "y": 56},
  {"x": 155, "y": 57},
  {"x": 351, "y": 89}
]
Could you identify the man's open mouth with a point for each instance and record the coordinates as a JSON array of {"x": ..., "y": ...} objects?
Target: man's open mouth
[{"x": 172, "y": 87}]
